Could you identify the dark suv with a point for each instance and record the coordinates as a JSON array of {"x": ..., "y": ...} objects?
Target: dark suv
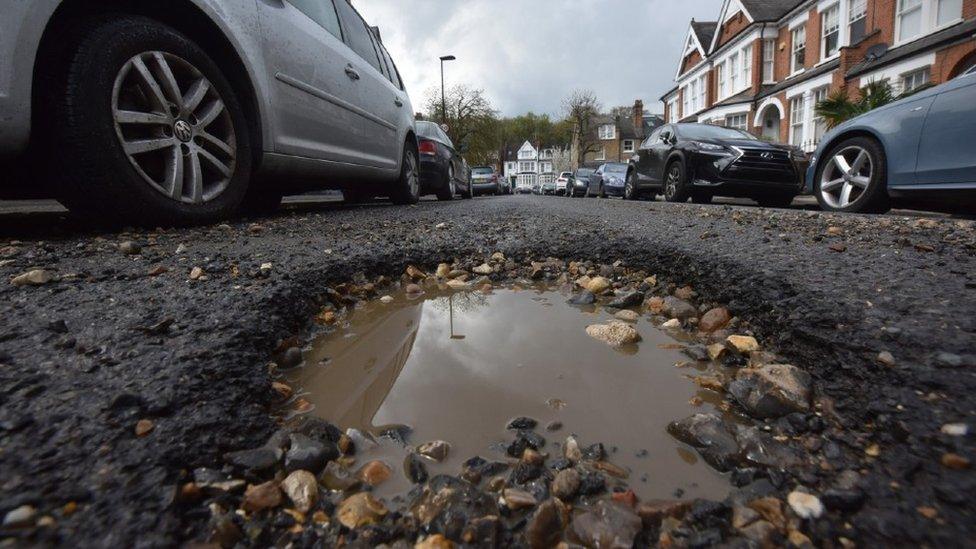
[{"x": 700, "y": 161}]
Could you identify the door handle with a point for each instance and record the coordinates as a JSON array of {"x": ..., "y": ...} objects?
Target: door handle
[
  {"x": 352, "y": 73},
  {"x": 397, "y": 102}
]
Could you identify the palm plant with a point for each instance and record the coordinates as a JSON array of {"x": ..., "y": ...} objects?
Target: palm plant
[{"x": 839, "y": 107}]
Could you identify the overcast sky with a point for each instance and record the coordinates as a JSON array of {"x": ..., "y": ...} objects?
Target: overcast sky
[{"x": 529, "y": 54}]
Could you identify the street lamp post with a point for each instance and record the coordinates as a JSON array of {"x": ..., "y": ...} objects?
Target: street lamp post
[{"x": 443, "y": 96}]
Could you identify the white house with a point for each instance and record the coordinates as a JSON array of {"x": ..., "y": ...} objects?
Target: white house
[{"x": 530, "y": 166}]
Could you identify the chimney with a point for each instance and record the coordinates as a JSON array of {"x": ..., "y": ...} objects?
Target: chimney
[{"x": 638, "y": 119}]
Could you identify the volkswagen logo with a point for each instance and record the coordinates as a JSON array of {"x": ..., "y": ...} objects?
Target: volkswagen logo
[
  {"x": 766, "y": 155},
  {"x": 182, "y": 131}
]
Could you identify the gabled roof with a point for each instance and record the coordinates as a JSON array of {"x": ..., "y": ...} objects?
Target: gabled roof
[
  {"x": 769, "y": 10},
  {"x": 704, "y": 31}
]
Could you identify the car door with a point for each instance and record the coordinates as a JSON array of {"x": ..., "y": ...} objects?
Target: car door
[
  {"x": 644, "y": 161},
  {"x": 947, "y": 149},
  {"x": 315, "y": 104},
  {"x": 658, "y": 153},
  {"x": 596, "y": 178},
  {"x": 379, "y": 101}
]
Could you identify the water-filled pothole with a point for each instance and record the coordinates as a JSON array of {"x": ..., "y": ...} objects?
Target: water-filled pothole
[{"x": 458, "y": 366}]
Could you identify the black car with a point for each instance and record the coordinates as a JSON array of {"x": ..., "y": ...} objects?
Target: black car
[
  {"x": 578, "y": 182},
  {"x": 442, "y": 169},
  {"x": 700, "y": 161}
]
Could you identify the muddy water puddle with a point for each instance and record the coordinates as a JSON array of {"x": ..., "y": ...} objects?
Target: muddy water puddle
[{"x": 458, "y": 367}]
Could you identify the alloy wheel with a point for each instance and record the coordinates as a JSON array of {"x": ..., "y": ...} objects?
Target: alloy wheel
[
  {"x": 846, "y": 177},
  {"x": 674, "y": 178},
  {"x": 174, "y": 127},
  {"x": 629, "y": 188},
  {"x": 413, "y": 177}
]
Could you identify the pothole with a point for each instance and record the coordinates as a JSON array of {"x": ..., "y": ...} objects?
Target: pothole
[{"x": 496, "y": 402}]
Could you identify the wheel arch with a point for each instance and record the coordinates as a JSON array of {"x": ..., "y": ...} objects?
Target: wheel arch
[{"x": 187, "y": 17}]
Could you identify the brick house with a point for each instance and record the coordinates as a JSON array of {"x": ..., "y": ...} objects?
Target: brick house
[
  {"x": 619, "y": 136},
  {"x": 765, "y": 64}
]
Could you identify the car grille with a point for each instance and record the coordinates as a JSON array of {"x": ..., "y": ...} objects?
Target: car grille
[{"x": 764, "y": 159}]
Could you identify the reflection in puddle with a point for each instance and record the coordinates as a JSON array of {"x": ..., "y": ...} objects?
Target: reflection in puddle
[{"x": 459, "y": 367}]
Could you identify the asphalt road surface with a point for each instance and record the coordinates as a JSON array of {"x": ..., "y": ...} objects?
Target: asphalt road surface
[{"x": 118, "y": 337}]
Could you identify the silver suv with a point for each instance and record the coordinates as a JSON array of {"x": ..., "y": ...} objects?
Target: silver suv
[{"x": 186, "y": 111}]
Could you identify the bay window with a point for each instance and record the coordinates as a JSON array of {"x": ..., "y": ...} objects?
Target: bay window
[
  {"x": 830, "y": 25},
  {"x": 798, "y": 55}
]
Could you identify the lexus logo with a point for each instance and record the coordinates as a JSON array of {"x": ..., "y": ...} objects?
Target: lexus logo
[
  {"x": 182, "y": 131},
  {"x": 766, "y": 155}
]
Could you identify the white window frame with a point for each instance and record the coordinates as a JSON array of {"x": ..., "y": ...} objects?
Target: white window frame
[
  {"x": 702, "y": 91},
  {"x": 747, "y": 66},
  {"x": 794, "y": 49},
  {"x": 686, "y": 101},
  {"x": 922, "y": 75},
  {"x": 734, "y": 73},
  {"x": 628, "y": 145},
  {"x": 737, "y": 121},
  {"x": 606, "y": 135},
  {"x": 722, "y": 89},
  {"x": 819, "y": 123},
  {"x": 672, "y": 110},
  {"x": 857, "y": 10},
  {"x": 928, "y": 19},
  {"x": 833, "y": 10},
  {"x": 602, "y": 154},
  {"x": 769, "y": 60},
  {"x": 797, "y": 120}
]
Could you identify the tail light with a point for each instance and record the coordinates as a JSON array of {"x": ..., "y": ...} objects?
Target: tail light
[{"x": 428, "y": 147}]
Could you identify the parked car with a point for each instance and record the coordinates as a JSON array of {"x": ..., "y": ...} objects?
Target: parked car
[
  {"x": 563, "y": 183},
  {"x": 579, "y": 182},
  {"x": 188, "y": 111},
  {"x": 523, "y": 187},
  {"x": 485, "y": 180},
  {"x": 701, "y": 161},
  {"x": 919, "y": 149},
  {"x": 547, "y": 187},
  {"x": 443, "y": 171},
  {"x": 608, "y": 180}
]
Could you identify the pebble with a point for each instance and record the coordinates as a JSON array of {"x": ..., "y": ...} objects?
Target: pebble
[
  {"x": 302, "y": 489},
  {"x": 262, "y": 496},
  {"x": 673, "y": 324},
  {"x": 483, "y": 269},
  {"x": 598, "y": 285},
  {"x": 443, "y": 270},
  {"x": 130, "y": 248},
  {"x": 20, "y": 517},
  {"x": 37, "y": 277},
  {"x": 196, "y": 273},
  {"x": 436, "y": 450},
  {"x": 415, "y": 469},
  {"x": 571, "y": 450},
  {"x": 955, "y": 429},
  {"x": 144, "y": 427},
  {"x": 615, "y": 334},
  {"x": 743, "y": 344},
  {"x": 437, "y": 541},
  {"x": 521, "y": 423},
  {"x": 456, "y": 284},
  {"x": 714, "y": 320},
  {"x": 627, "y": 315},
  {"x": 360, "y": 510},
  {"x": 545, "y": 528},
  {"x": 386, "y": 300},
  {"x": 955, "y": 461},
  {"x": 307, "y": 454},
  {"x": 374, "y": 473},
  {"x": 607, "y": 524},
  {"x": 566, "y": 484},
  {"x": 886, "y": 358},
  {"x": 517, "y": 499},
  {"x": 805, "y": 505},
  {"x": 414, "y": 289}
]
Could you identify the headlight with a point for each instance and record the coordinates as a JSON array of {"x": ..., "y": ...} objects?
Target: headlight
[{"x": 711, "y": 147}]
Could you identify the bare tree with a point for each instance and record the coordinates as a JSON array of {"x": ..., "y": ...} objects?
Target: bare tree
[
  {"x": 582, "y": 108},
  {"x": 562, "y": 160},
  {"x": 470, "y": 117}
]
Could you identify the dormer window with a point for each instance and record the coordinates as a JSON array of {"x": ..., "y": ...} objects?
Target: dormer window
[{"x": 607, "y": 132}]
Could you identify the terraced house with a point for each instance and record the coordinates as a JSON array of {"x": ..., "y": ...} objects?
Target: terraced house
[{"x": 764, "y": 64}]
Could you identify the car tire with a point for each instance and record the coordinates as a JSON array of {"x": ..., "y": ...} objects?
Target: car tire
[
  {"x": 406, "y": 190},
  {"x": 603, "y": 192},
  {"x": 699, "y": 197},
  {"x": 129, "y": 152},
  {"x": 449, "y": 189},
  {"x": 872, "y": 194},
  {"x": 630, "y": 187},
  {"x": 675, "y": 182}
]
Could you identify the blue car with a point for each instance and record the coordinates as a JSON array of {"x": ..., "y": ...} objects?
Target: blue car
[
  {"x": 921, "y": 148},
  {"x": 608, "y": 180}
]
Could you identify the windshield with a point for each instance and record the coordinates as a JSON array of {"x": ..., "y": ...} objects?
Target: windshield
[
  {"x": 584, "y": 172},
  {"x": 428, "y": 130},
  {"x": 615, "y": 168},
  {"x": 707, "y": 131},
  {"x": 482, "y": 171}
]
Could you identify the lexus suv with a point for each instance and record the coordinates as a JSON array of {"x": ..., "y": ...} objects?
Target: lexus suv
[
  {"x": 700, "y": 161},
  {"x": 188, "y": 111}
]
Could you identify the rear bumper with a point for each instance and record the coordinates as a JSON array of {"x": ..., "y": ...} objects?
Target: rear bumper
[
  {"x": 433, "y": 172},
  {"x": 484, "y": 186}
]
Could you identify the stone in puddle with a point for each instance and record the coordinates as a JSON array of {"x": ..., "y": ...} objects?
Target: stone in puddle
[
  {"x": 607, "y": 524},
  {"x": 443, "y": 270},
  {"x": 598, "y": 285},
  {"x": 546, "y": 526},
  {"x": 437, "y": 541},
  {"x": 773, "y": 390},
  {"x": 673, "y": 324},
  {"x": 262, "y": 496},
  {"x": 630, "y": 299},
  {"x": 571, "y": 449},
  {"x": 679, "y": 308},
  {"x": 518, "y": 499},
  {"x": 715, "y": 319},
  {"x": 713, "y": 439},
  {"x": 585, "y": 297},
  {"x": 447, "y": 503},
  {"x": 483, "y": 269},
  {"x": 415, "y": 469},
  {"x": 525, "y": 439},
  {"x": 743, "y": 344},
  {"x": 436, "y": 450},
  {"x": 254, "y": 461},
  {"x": 302, "y": 489},
  {"x": 627, "y": 315},
  {"x": 374, "y": 473},
  {"x": 360, "y": 510},
  {"x": 310, "y": 455},
  {"x": 521, "y": 423},
  {"x": 566, "y": 484},
  {"x": 652, "y": 512},
  {"x": 616, "y": 333}
]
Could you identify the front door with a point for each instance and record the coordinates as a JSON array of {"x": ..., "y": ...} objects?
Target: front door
[
  {"x": 771, "y": 125},
  {"x": 315, "y": 104},
  {"x": 947, "y": 150}
]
